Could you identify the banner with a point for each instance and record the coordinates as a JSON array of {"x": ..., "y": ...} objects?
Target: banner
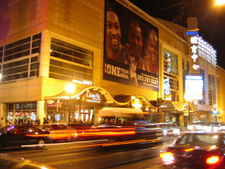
[{"x": 130, "y": 48}]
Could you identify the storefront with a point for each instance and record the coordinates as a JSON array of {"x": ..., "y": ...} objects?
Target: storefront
[
  {"x": 167, "y": 111},
  {"x": 81, "y": 107}
]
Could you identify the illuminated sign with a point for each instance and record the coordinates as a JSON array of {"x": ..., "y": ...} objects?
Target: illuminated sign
[
  {"x": 192, "y": 32},
  {"x": 136, "y": 103},
  {"x": 85, "y": 82},
  {"x": 194, "y": 48},
  {"x": 54, "y": 104},
  {"x": 193, "y": 87},
  {"x": 92, "y": 97}
]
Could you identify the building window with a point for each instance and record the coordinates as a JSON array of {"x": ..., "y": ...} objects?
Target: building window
[
  {"x": 1, "y": 53},
  {"x": 70, "y": 62},
  {"x": 21, "y": 112},
  {"x": 20, "y": 58},
  {"x": 171, "y": 84},
  {"x": 202, "y": 73},
  {"x": 170, "y": 63},
  {"x": 212, "y": 89}
]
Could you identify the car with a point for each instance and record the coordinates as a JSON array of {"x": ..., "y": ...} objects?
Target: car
[
  {"x": 13, "y": 136},
  {"x": 169, "y": 129},
  {"x": 202, "y": 150},
  {"x": 60, "y": 132},
  {"x": 206, "y": 127},
  {"x": 199, "y": 126},
  {"x": 9, "y": 162}
]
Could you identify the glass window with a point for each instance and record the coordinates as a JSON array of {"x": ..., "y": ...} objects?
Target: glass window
[
  {"x": 171, "y": 84},
  {"x": 199, "y": 139},
  {"x": 170, "y": 62},
  {"x": 1, "y": 53},
  {"x": 71, "y": 53},
  {"x": 21, "y": 50},
  {"x": 79, "y": 67}
]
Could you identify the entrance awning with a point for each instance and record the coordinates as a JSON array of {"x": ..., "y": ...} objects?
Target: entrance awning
[
  {"x": 80, "y": 91},
  {"x": 167, "y": 105},
  {"x": 179, "y": 106},
  {"x": 128, "y": 99}
]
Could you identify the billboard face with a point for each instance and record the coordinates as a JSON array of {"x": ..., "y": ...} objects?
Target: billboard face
[
  {"x": 193, "y": 87},
  {"x": 130, "y": 48}
]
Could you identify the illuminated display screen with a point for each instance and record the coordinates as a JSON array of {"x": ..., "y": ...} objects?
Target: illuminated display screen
[{"x": 193, "y": 87}]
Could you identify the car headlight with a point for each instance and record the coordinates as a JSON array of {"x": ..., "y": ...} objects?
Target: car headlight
[
  {"x": 198, "y": 127},
  {"x": 190, "y": 127},
  {"x": 165, "y": 132},
  {"x": 176, "y": 131}
]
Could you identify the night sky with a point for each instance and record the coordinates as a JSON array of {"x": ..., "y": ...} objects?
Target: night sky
[{"x": 211, "y": 19}]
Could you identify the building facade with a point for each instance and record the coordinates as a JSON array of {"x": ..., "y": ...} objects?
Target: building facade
[{"x": 89, "y": 44}]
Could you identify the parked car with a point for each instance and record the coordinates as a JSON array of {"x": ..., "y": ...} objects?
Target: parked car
[
  {"x": 196, "y": 150},
  {"x": 9, "y": 162},
  {"x": 60, "y": 132},
  {"x": 22, "y": 135}
]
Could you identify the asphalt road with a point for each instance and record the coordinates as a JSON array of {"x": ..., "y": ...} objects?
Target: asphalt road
[{"x": 94, "y": 155}]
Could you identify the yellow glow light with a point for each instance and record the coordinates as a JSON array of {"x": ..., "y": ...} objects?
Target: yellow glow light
[
  {"x": 219, "y": 2},
  {"x": 70, "y": 88}
]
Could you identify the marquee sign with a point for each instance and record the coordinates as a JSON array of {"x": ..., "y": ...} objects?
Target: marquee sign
[{"x": 92, "y": 96}]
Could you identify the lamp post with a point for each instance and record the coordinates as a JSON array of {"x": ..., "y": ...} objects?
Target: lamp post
[
  {"x": 219, "y": 2},
  {"x": 70, "y": 88},
  {"x": 189, "y": 100},
  {"x": 189, "y": 113}
]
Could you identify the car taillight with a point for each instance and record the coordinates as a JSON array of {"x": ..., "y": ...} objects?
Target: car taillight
[
  {"x": 188, "y": 149},
  {"x": 212, "y": 160},
  {"x": 167, "y": 157}
]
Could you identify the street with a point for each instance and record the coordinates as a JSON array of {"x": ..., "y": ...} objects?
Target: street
[{"x": 93, "y": 154}]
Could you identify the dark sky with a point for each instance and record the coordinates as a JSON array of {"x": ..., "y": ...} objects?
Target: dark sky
[{"x": 211, "y": 19}]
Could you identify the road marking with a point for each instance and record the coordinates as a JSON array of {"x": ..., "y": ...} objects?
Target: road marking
[{"x": 76, "y": 160}]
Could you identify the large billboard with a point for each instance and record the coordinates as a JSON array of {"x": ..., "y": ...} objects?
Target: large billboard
[
  {"x": 194, "y": 87},
  {"x": 130, "y": 48}
]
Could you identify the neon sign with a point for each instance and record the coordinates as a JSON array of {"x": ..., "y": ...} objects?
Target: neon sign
[
  {"x": 93, "y": 97},
  {"x": 192, "y": 32},
  {"x": 194, "y": 48}
]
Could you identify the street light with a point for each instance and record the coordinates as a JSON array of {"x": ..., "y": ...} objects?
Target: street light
[
  {"x": 70, "y": 88},
  {"x": 219, "y": 2}
]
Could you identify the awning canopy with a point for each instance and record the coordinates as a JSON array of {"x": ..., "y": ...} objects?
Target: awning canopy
[
  {"x": 79, "y": 91},
  {"x": 203, "y": 108},
  {"x": 167, "y": 105}
]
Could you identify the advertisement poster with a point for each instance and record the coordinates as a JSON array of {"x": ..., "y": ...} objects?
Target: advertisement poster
[{"x": 130, "y": 48}]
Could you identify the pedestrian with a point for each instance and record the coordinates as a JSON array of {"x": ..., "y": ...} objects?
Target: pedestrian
[
  {"x": 8, "y": 123},
  {"x": 46, "y": 120},
  {"x": 38, "y": 122}
]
